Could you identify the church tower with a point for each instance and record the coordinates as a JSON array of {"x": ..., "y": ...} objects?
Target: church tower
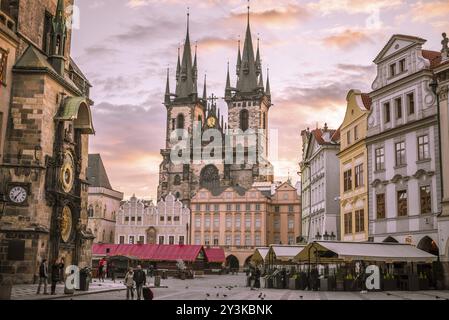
[
  {"x": 249, "y": 103},
  {"x": 185, "y": 110}
]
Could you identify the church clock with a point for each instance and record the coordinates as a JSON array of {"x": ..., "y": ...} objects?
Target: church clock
[
  {"x": 211, "y": 122},
  {"x": 67, "y": 176}
]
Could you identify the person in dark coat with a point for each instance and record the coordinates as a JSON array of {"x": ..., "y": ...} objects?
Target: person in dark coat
[
  {"x": 61, "y": 270},
  {"x": 140, "y": 279},
  {"x": 43, "y": 276},
  {"x": 55, "y": 275}
]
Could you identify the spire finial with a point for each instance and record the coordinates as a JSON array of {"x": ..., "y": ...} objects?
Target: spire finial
[{"x": 248, "y": 10}]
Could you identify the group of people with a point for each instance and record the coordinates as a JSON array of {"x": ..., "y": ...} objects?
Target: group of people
[
  {"x": 136, "y": 280},
  {"x": 56, "y": 274}
]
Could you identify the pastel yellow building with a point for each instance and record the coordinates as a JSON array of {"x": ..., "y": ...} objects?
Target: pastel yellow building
[{"x": 353, "y": 168}]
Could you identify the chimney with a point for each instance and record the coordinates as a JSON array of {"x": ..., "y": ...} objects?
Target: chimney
[{"x": 326, "y": 134}]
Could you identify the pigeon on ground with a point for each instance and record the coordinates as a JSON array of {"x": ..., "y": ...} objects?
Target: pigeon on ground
[
  {"x": 187, "y": 287},
  {"x": 300, "y": 297},
  {"x": 260, "y": 295},
  {"x": 225, "y": 295},
  {"x": 207, "y": 294},
  {"x": 218, "y": 295}
]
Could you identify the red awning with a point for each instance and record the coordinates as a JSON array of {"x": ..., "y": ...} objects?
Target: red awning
[
  {"x": 149, "y": 252},
  {"x": 215, "y": 254}
]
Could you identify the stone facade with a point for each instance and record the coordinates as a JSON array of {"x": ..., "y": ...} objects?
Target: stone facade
[
  {"x": 43, "y": 168},
  {"x": 354, "y": 169},
  {"x": 442, "y": 73},
  {"x": 240, "y": 220},
  {"x": 189, "y": 115},
  {"x": 403, "y": 147},
  {"x": 140, "y": 221},
  {"x": 320, "y": 181}
]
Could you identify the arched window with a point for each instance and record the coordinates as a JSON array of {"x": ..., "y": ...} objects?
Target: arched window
[
  {"x": 177, "y": 181},
  {"x": 180, "y": 121},
  {"x": 244, "y": 120},
  {"x": 178, "y": 195},
  {"x": 264, "y": 120},
  {"x": 111, "y": 237},
  {"x": 90, "y": 211}
]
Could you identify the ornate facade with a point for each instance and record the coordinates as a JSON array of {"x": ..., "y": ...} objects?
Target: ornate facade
[
  {"x": 248, "y": 103},
  {"x": 44, "y": 143},
  {"x": 354, "y": 168},
  {"x": 403, "y": 147},
  {"x": 140, "y": 221}
]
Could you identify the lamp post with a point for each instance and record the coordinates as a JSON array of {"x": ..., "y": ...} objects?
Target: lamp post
[{"x": 434, "y": 86}]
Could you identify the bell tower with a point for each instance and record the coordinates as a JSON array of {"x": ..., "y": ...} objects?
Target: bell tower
[
  {"x": 58, "y": 38},
  {"x": 249, "y": 103}
]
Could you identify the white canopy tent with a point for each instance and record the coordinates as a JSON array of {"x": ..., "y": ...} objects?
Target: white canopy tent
[{"x": 334, "y": 252}]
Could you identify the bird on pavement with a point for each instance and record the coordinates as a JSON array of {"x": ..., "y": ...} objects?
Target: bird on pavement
[
  {"x": 218, "y": 295},
  {"x": 207, "y": 294},
  {"x": 225, "y": 295}
]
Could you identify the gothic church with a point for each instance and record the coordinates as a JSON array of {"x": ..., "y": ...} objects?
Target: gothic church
[{"x": 248, "y": 103}]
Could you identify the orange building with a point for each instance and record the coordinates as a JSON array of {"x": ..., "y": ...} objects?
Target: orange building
[{"x": 239, "y": 220}]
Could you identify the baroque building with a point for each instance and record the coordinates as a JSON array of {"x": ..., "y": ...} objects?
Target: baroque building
[
  {"x": 442, "y": 89},
  {"x": 320, "y": 181},
  {"x": 104, "y": 201},
  {"x": 353, "y": 168},
  {"x": 48, "y": 122},
  {"x": 403, "y": 146},
  {"x": 239, "y": 220},
  {"x": 189, "y": 114},
  {"x": 140, "y": 221}
]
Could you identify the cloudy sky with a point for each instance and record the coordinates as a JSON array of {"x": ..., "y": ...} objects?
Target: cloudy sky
[{"x": 316, "y": 51}]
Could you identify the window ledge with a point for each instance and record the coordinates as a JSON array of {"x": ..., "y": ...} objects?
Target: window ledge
[
  {"x": 400, "y": 166},
  {"x": 423, "y": 161},
  {"x": 379, "y": 171}
]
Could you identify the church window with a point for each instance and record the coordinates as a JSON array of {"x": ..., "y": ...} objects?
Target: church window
[
  {"x": 180, "y": 121},
  {"x": 177, "y": 181},
  {"x": 90, "y": 211},
  {"x": 178, "y": 195},
  {"x": 244, "y": 120},
  {"x": 47, "y": 30}
]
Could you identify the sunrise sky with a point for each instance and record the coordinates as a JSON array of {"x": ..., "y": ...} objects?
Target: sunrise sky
[{"x": 316, "y": 52}]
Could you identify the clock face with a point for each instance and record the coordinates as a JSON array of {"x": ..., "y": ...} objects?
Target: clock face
[
  {"x": 67, "y": 173},
  {"x": 18, "y": 195},
  {"x": 66, "y": 224},
  {"x": 211, "y": 122}
]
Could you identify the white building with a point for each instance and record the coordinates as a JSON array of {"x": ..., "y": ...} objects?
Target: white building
[
  {"x": 140, "y": 221},
  {"x": 104, "y": 201},
  {"x": 320, "y": 186},
  {"x": 403, "y": 161}
]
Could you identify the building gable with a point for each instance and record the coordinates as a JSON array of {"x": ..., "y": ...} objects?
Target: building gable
[{"x": 396, "y": 44}]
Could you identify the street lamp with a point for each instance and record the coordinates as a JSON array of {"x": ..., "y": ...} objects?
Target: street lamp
[{"x": 434, "y": 86}]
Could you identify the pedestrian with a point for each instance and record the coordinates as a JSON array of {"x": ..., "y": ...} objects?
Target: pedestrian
[
  {"x": 140, "y": 280},
  {"x": 129, "y": 283},
  {"x": 43, "y": 276},
  {"x": 55, "y": 275},
  {"x": 61, "y": 270},
  {"x": 111, "y": 269},
  {"x": 101, "y": 269}
]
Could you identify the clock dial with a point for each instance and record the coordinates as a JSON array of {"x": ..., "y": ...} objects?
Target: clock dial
[
  {"x": 67, "y": 173},
  {"x": 66, "y": 224},
  {"x": 18, "y": 195},
  {"x": 211, "y": 122}
]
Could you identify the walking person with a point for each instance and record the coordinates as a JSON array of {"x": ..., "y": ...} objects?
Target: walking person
[
  {"x": 43, "y": 276},
  {"x": 129, "y": 283},
  {"x": 61, "y": 270},
  {"x": 140, "y": 279},
  {"x": 55, "y": 275}
]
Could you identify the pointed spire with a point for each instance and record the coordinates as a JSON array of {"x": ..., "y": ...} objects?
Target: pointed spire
[
  {"x": 187, "y": 84},
  {"x": 247, "y": 81},
  {"x": 260, "y": 85},
  {"x": 58, "y": 39},
  {"x": 205, "y": 89},
  {"x": 267, "y": 87},
  {"x": 167, "y": 88},
  {"x": 178, "y": 67},
  {"x": 239, "y": 60},
  {"x": 258, "y": 61},
  {"x": 228, "y": 84}
]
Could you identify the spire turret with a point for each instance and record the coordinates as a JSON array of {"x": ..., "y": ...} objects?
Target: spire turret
[
  {"x": 239, "y": 60},
  {"x": 267, "y": 88},
  {"x": 205, "y": 88},
  {"x": 228, "y": 84},
  {"x": 58, "y": 39},
  {"x": 167, "y": 88},
  {"x": 258, "y": 61}
]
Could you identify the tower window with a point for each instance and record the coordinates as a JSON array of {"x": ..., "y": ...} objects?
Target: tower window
[
  {"x": 180, "y": 121},
  {"x": 244, "y": 120},
  {"x": 47, "y": 30}
]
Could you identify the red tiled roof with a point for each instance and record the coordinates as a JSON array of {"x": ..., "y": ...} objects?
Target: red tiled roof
[
  {"x": 433, "y": 56},
  {"x": 318, "y": 133},
  {"x": 367, "y": 102},
  {"x": 149, "y": 252},
  {"x": 215, "y": 254}
]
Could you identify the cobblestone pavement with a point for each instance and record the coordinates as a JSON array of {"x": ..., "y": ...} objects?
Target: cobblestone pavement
[
  {"x": 233, "y": 288},
  {"x": 28, "y": 292}
]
